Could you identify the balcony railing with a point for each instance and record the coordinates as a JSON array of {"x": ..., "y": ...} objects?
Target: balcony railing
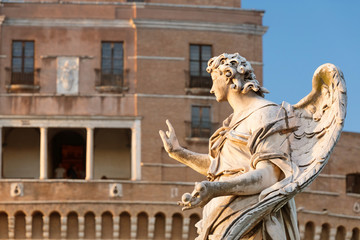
[
  {"x": 106, "y": 82},
  {"x": 200, "y": 82},
  {"x": 22, "y": 81},
  {"x": 197, "y": 85}
]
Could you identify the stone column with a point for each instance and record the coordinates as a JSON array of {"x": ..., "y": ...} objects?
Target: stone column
[
  {"x": 136, "y": 151},
  {"x": 89, "y": 153},
  {"x": 168, "y": 225},
  {"x": 151, "y": 227},
  {"x": 46, "y": 227},
  {"x": 28, "y": 226},
  {"x": 332, "y": 233},
  {"x": 98, "y": 227},
  {"x": 43, "y": 153},
  {"x": 63, "y": 227},
  {"x": 302, "y": 231},
  {"x": 11, "y": 226},
  {"x": 348, "y": 235},
  {"x": 133, "y": 227},
  {"x": 185, "y": 231},
  {"x": 81, "y": 233},
  {"x": 116, "y": 227}
]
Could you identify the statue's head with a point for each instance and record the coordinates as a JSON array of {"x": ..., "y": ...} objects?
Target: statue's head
[{"x": 238, "y": 72}]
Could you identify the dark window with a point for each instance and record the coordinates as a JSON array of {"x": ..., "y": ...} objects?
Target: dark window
[
  {"x": 353, "y": 183},
  {"x": 199, "y": 56},
  {"x": 112, "y": 64},
  {"x": 22, "y": 70},
  {"x": 200, "y": 121}
]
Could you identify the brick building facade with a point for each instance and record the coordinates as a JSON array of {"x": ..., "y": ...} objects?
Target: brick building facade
[{"x": 84, "y": 88}]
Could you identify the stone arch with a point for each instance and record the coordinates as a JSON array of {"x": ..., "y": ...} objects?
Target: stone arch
[
  {"x": 125, "y": 226},
  {"x": 89, "y": 230},
  {"x": 340, "y": 233},
  {"x": 37, "y": 225},
  {"x": 20, "y": 224},
  {"x": 107, "y": 225},
  {"x": 176, "y": 226},
  {"x": 142, "y": 225},
  {"x": 309, "y": 231},
  {"x": 159, "y": 228},
  {"x": 355, "y": 234},
  {"x": 194, "y": 218},
  {"x": 54, "y": 225},
  {"x": 4, "y": 223},
  {"x": 72, "y": 228},
  {"x": 325, "y": 232}
]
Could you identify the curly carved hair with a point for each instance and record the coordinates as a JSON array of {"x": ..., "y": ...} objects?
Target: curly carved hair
[{"x": 238, "y": 71}]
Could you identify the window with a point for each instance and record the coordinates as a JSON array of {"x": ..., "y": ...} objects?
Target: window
[
  {"x": 22, "y": 70},
  {"x": 112, "y": 64},
  {"x": 200, "y": 121},
  {"x": 199, "y": 56},
  {"x": 353, "y": 183}
]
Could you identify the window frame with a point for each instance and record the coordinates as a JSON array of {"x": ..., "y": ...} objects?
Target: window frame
[
  {"x": 353, "y": 183},
  {"x": 201, "y": 131},
  {"x": 200, "y": 80},
  {"x": 112, "y": 79},
  {"x": 22, "y": 77}
]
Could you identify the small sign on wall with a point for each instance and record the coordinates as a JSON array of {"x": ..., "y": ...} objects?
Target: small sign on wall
[{"x": 67, "y": 81}]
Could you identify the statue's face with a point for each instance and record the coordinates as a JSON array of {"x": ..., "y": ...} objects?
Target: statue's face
[{"x": 219, "y": 87}]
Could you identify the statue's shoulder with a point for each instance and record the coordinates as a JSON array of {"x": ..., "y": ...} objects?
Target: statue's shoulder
[{"x": 263, "y": 114}]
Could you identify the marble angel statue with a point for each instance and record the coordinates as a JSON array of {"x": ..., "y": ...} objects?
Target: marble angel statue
[{"x": 263, "y": 154}]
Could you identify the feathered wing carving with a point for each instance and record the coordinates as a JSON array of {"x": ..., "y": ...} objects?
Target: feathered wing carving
[{"x": 319, "y": 118}]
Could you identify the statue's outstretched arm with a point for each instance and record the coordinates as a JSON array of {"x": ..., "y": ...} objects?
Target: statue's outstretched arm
[
  {"x": 265, "y": 175},
  {"x": 198, "y": 162}
]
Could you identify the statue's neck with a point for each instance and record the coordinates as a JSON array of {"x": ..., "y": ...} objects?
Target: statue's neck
[{"x": 243, "y": 102}]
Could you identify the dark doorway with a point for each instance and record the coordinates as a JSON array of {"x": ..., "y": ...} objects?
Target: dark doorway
[{"x": 68, "y": 153}]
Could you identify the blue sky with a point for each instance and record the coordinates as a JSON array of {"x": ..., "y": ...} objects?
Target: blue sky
[{"x": 303, "y": 35}]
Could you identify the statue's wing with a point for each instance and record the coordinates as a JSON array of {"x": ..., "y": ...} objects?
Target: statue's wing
[{"x": 319, "y": 119}]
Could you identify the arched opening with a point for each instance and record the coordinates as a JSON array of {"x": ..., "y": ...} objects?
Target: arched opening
[
  {"x": 176, "y": 227},
  {"x": 21, "y": 153},
  {"x": 142, "y": 226},
  {"x": 67, "y": 153},
  {"x": 125, "y": 226},
  {"x": 72, "y": 226},
  {"x": 107, "y": 225},
  {"x": 340, "y": 233},
  {"x": 37, "y": 225},
  {"x": 4, "y": 225},
  {"x": 89, "y": 230},
  {"x": 159, "y": 231},
  {"x": 194, "y": 218},
  {"x": 54, "y": 226},
  {"x": 20, "y": 225},
  {"x": 355, "y": 234},
  {"x": 309, "y": 231},
  {"x": 325, "y": 232}
]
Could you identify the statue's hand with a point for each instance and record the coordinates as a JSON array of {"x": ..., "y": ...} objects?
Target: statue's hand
[
  {"x": 201, "y": 195},
  {"x": 170, "y": 141}
]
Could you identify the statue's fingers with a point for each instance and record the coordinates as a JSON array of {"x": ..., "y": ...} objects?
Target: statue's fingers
[
  {"x": 168, "y": 134},
  {"x": 170, "y": 126},
  {"x": 163, "y": 138}
]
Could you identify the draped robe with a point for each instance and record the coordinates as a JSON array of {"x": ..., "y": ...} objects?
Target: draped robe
[{"x": 258, "y": 134}]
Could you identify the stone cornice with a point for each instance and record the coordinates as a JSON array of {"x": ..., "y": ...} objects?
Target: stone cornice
[
  {"x": 116, "y": 23},
  {"x": 201, "y": 26},
  {"x": 90, "y": 2},
  {"x": 139, "y": 23}
]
